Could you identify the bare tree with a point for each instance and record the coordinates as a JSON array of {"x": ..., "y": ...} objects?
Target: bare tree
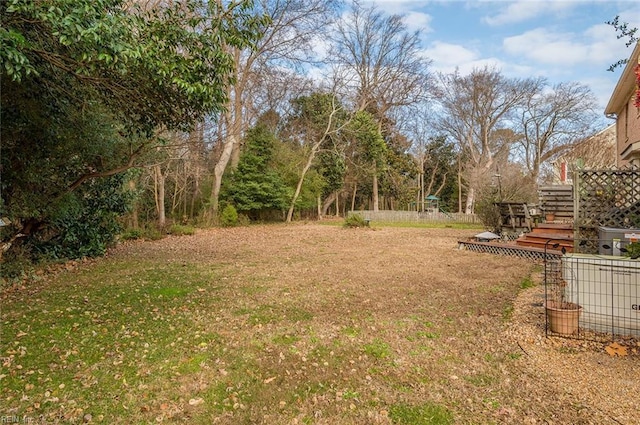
[
  {"x": 379, "y": 64},
  {"x": 477, "y": 109},
  {"x": 321, "y": 116},
  {"x": 551, "y": 121},
  {"x": 420, "y": 130},
  {"x": 287, "y": 42}
]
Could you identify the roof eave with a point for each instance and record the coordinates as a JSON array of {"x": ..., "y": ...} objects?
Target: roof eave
[{"x": 625, "y": 84}]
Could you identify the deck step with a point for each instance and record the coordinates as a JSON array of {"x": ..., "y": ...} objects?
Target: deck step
[
  {"x": 548, "y": 228},
  {"x": 548, "y": 234},
  {"x": 568, "y": 246}
]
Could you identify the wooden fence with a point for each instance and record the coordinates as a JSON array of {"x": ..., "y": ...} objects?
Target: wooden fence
[
  {"x": 417, "y": 217},
  {"x": 558, "y": 200}
]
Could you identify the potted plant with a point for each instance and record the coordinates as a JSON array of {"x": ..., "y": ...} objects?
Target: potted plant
[{"x": 562, "y": 316}]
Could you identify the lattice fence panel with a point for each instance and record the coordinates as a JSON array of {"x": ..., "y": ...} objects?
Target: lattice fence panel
[
  {"x": 513, "y": 251},
  {"x": 608, "y": 198}
]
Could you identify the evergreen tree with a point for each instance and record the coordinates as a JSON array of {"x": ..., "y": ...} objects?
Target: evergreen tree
[{"x": 255, "y": 188}]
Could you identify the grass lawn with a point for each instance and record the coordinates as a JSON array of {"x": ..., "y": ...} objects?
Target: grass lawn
[{"x": 302, "y": 324}]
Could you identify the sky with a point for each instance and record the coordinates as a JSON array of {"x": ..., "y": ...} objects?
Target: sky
[{"x": 561, "y": 40}]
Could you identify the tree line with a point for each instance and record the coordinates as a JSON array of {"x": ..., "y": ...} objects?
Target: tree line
[{"x": 130, "y": 114}]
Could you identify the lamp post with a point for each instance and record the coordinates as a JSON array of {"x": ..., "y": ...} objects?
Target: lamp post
[{"x": 497, "y": 176}]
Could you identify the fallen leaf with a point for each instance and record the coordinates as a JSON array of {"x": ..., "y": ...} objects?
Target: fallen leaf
[
  {"x": 266, "y": 381},
  {"x": 616, "y": 349},
  {"x": 196, "y": 401}
]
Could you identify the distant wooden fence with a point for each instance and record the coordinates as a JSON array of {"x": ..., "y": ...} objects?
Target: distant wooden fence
[
  {"x": 558, "y": 200},
  {"x": 417, "y": 217}
]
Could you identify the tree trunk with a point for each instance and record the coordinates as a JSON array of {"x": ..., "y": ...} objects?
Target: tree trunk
[
  {"x": 337, "y": 204},
  {"x": 422, "y": 190},
  {"x": 235, "y": 120},
  {"x": 353, "y": 196},
  {"x": 218, "y": 172},
  {"x": 468, "y": 209},
  {"x": 158, "y": 180},
  {"x": 374, "y": 196},
  {"x": 195, "y": 195},
  {"x": 312, "y": 155},
  {"x": 459, "y": 186},
  {"x": 327, "y": 203},
  {"x": 134, "y": 208},
  {"x": 319, "y": 205}
]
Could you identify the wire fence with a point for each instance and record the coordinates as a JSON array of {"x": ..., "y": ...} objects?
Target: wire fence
[{"x": 592, "y": 296}]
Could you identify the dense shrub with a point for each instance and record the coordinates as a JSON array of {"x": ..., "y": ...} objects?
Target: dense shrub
[
  {"x": 132, "y": 234},
  {"x": 355, "y": 220},
  {"x": 229, "y": 216},
  {"x": 181, "y": 230},
  {"x": 632, "y": 250},
  {"x": 489, "y": 214},
  {"x": 85, "y": 223}
]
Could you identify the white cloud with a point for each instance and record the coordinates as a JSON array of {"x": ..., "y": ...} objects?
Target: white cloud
[
  {"x": 543, "y": 46},
  {"x": 395, "y": 7},
  {"x": 416, "y": 21},
  {"x": 448, "y": 58},
  {"x": 595, "y": 46},
  {"x": 524, "y": 10},
  {"x": 408, "y": 9},
  {"x": 446, "y": 55}
]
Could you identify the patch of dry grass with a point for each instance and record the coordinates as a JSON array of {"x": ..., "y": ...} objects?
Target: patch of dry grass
[{"x": 279, "y": 324}]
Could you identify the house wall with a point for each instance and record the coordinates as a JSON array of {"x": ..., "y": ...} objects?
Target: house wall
[
  {"x": 628, "y": 133},
  {"x": 622, "y": 107}
]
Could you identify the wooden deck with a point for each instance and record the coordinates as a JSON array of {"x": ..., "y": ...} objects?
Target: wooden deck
[
  {"x": 554, "y": 239},
  {"x": 510, "y": 249}
]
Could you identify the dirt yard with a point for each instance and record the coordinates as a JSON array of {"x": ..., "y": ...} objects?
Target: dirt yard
[{"x": 317, "y": 324}]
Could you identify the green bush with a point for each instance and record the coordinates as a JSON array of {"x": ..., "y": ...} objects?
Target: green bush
[
  {"x": 83, "y": 223},
  {"x": 181, "y": 230},
  {"x": 355, "y": 220},
  {"x": 132, "y": 234},
  {"x": 489, "y": 214},
  {"x": 153, "y": 234},
  {"x": 16, "y": 264},
  {"x": 633, "y": 250},
  {"x": 229, "y": 216}
]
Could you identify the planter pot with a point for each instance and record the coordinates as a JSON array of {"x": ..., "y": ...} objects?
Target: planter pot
[
  {"x": 563, "y": 318},
  {"x": 550, "y": 217}
]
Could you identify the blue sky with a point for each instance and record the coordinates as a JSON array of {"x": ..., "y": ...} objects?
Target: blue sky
[{"x": 563, "y": 40}]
